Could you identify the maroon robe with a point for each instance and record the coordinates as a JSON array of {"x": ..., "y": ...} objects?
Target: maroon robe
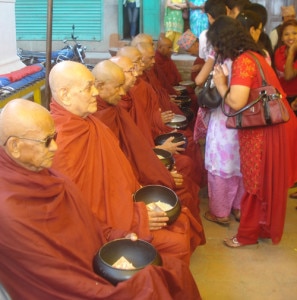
[
  {"x": 89, "y": 153},
  {"x": 162, "y": 101},
  {"x": 48, "y": 239},
  {"x": 147, "y": 167}
]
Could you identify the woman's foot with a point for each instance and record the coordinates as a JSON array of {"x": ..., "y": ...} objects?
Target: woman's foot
[
  {"x": 222, "y": 221},
  {"x": 232, "y": 242},
  {"x": 236, "y": 213}
]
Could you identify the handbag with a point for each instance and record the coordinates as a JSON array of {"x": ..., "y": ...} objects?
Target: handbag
[
  {"x": 208, "y": 96},
  {"x": 265, "y": 107}
]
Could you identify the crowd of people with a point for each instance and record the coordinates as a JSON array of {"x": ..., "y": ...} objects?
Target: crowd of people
[{"x": 68, "y": 174}]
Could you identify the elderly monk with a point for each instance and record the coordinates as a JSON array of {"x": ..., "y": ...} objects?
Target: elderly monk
[
  {"x": 48, "y": 235},
  {"x": 142, "y": 38},
  {"x": 142, "y": 104},
  {"x": 147, "y": 167},
  {"x": 166, "y": 71},
  {"x": 192, "y": 149},
  {"x": 90, "y": 155}
]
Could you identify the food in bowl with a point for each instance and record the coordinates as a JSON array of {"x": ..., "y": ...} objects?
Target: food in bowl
[{"x": 123, "y": 263}]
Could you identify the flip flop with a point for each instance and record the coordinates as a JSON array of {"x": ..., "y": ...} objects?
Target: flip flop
[
  {"x": 232, "y": 243},
  {"x": 221, "y": 221}
]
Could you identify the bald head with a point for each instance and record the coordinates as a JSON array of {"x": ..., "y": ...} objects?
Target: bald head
[
  {"x": 142, "y": 38},
  {"x": 164, "y": 46},
  {"x": 130, "y": 72},
  {"x": 66, "y": 74},
  {"x": 129, "y": 51},
  {"x": 73, "y": 87},
  {"x": 111, "y": 80},
  {"x": 107, "y": 70},
  {"x": 19, "y": 117},
  {"x": 27, "y": 134},
  {"x": 148, "y": 55}
]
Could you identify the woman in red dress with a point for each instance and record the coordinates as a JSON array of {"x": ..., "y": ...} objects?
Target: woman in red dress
[{"x": 263, "y": 150}]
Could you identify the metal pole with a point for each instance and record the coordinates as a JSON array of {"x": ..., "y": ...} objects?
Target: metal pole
[{"x": 48, "y": 51}]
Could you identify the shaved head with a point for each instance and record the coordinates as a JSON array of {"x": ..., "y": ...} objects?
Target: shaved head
[
  {"x": 27, "y": 134},
  {"x": 19, "y": 117},
  {"x": 142, "y": 38},
  {"x": 148, "y": 55},
  {"x": 129, "y": 51},
  {"x": 107, "y": 70},
  {"x": 164, "y": 46},
  {"x": 123, "y": 62}
]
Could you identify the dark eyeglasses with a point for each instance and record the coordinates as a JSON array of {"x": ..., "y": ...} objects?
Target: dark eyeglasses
[{"x": 47, "y": 141}]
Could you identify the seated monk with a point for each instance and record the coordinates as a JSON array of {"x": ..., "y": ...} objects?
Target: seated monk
[
  {"x": 192, "y": 149},
  {"x": 167, "y": 73},
  {"x": 48, "y": 235},
  {"x": 142, "y": 104},
  {"x": 146, "y": 166},
  {"x": 90, "y": 155}
]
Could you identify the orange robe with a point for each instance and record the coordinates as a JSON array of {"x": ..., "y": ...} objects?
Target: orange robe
[
  {"x": 147, "y": 167},
  {"x": 89, "y": 153},
  {"x": 48, "y": 239}
]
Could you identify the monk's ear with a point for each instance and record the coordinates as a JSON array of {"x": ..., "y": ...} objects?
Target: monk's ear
[
  {"x": 13, "y": 147},
  {"x": 64, "y": 96}
]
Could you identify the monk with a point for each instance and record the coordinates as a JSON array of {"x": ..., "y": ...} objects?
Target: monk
[
  {"x": 142, "y": 104},
  {"x": 90, "y": 155},
  {"x": 192, "y": 149},
  {"x": 146, "y": 166},
  {"x": 49, "y": 236}
]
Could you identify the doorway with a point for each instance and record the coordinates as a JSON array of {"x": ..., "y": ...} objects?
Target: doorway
[{"x": 131, "y": 21}]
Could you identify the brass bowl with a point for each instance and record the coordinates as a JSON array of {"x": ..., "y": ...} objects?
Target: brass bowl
[
  {"x": 178, "y": 137},
  {"x": 140, "y": 253},
  {"x": 155, "y": 193},
  {"x": 165, "y": 157},
  {"x": 178, "y": 122}
]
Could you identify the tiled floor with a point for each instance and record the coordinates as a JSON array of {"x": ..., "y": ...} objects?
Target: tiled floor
[{"x": 262, "y": 271}]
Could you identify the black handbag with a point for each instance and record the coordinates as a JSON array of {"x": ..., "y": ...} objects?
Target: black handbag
[
  {"x": 265, "y": 107},
  {"x": 208, "y": 96}
]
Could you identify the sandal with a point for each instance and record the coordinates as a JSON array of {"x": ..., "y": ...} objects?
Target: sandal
[
  {"x": 232, "y": 243},
  {"x": 221, "y": 221}
]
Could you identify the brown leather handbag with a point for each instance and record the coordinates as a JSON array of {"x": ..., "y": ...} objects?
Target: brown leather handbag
[{"x": 265, "y": 107}]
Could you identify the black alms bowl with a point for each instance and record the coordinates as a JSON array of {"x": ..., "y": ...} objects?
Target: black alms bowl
[
  {"x": 178, "y": 137},
  {"x": 155, "y": 193},
  {"x": 178, "y": 122},
  {"x": 165, "y": 157},
  {"x": 140, "y": 253}
]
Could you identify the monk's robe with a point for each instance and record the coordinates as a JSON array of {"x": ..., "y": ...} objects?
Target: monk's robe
[
  {"x": 183, "y": 166},
  {"x": 147, "y": 168},
  {"x": 153, "y": 98},
  {"x": 168, "y": 75},
  {"x": 89, "y": 153},
  {"x": 48, "y": 239}
]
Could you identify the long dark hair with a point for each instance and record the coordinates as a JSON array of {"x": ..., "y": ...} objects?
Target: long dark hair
[{"x": 229, "y": 39}]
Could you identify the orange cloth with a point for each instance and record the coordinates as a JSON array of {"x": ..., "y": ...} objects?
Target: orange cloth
[
  {"x": 89, "y": 153},
  {"x": 48, "y": 239}
]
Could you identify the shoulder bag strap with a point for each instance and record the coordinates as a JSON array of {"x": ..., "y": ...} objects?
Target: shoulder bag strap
[{"x": 248, "y": 106}]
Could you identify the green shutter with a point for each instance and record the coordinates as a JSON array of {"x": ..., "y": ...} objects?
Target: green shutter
[
  {"x": 86, "y": 15},
  {"x": 151, "y": 17}
]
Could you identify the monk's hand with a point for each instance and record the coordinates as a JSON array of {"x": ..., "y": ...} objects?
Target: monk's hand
[
  {"x": 167, "y": 116},
  {"x": 132, "y": 236},
  {"x": 157, "y": 219},
  {"x": 173, "y": 148},
  {"x": 178, "y": 178},
  {"x": 174, "y": 100},
  {"x": 294, "y": 104}
]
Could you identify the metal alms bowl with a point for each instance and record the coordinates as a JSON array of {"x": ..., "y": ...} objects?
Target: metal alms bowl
[
  {"x": 178, "y": 122},
  {"x": 178, "y": 137},
  {"x": 165, "y": 157},
  {"x": 140, "y": 253},
  {"x": 154, "y": 193}
]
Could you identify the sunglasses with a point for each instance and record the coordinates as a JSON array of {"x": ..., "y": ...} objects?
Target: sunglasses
[{"x": 47, "y": 141}]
